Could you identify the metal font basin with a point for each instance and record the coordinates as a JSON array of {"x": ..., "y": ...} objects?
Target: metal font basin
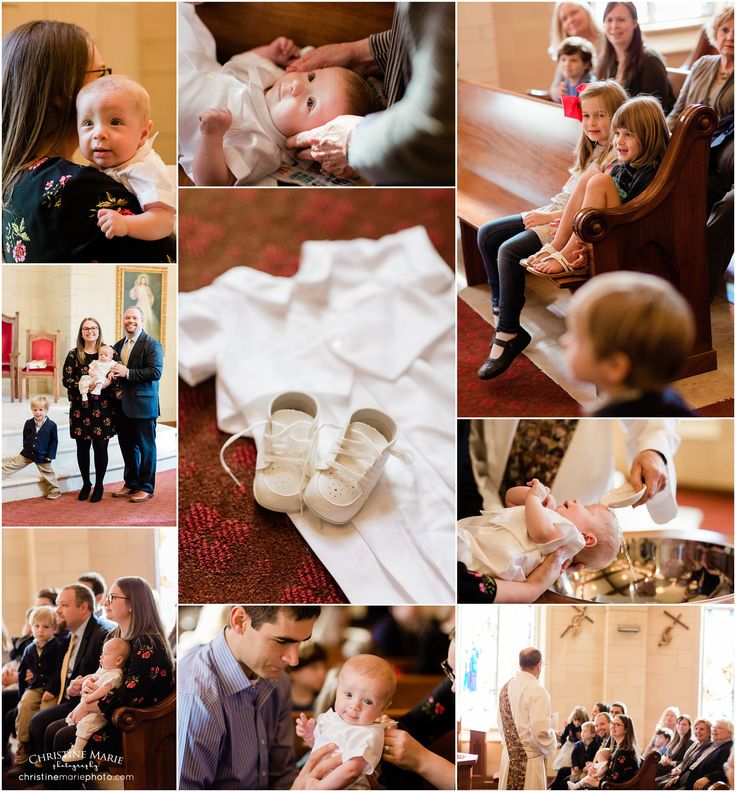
[{"x": 667, "y": 566}]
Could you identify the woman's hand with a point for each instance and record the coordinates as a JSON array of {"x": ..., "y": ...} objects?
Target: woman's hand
[
  {"x": 320, "y": 763},
  {"x": 401, "y": 749},
  {"x": 355, "y": 55},
  {"x": 328, "y": 145}
]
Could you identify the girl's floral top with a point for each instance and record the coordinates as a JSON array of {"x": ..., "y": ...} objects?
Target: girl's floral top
[
  {"x": 148, "y": 678},
  {"x": 52, "y": 217},
  {"x": 95, "y": 419}
]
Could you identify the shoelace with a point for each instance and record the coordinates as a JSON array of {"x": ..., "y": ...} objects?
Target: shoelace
[
  {"x": 278, "y": 447},
  {"x": 364, "y": 452}
]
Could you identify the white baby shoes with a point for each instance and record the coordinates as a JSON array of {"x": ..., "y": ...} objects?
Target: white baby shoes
[
  {"x": 286, "y": 475},
  {"x": 337, "y": 491}
]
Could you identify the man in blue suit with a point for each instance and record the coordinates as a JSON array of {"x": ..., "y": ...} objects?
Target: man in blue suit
[{"x": 138, "y": 375}]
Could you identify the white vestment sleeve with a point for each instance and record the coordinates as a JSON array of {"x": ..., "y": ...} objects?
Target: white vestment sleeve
[{"x": 540, "y": 717}]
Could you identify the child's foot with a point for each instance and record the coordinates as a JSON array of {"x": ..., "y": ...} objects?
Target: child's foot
[
  {"x": 74, "y": 754},
  {"x": 53, "y": 496},
  {"x": 506, "y": 348},
  {"x": 546, "y": 251},
  {"x": 21, "y": 755}
]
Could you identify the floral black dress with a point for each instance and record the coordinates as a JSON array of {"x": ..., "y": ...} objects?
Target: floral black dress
[
  {"x": 52, "y": 217},
  {"x": 95, "y": 419},
  {"x": 622, "y": 767},
  {"x": 147, "y": 680}
]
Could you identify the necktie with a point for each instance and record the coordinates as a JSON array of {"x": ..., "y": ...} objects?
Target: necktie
[
  {"x": 537, "y": 451},
  {"x": 65, "y": 668},
  {"x": 126, "y": 350}
]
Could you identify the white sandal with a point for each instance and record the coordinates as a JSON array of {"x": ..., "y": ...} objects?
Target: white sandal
[
  {"x": 565, "y": 272},
  {"x": 544, "y": 252}
]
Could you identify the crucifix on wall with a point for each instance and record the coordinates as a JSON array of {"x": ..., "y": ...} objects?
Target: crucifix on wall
[
  {"x": 576, "y": 625},
  {"x": 666, "y": 637}
]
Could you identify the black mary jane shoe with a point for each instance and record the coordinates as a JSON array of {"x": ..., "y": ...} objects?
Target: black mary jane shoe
[
  {"x": 494, "y": 367},
  {"x": 85, "y": 491},
  {"x": 97, "y": 493}
]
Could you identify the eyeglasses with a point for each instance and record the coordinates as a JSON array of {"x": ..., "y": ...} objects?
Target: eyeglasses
[
  {"x": 101, "y": 72},
  {"x": 112, "y": 597},
  {"x": 449, "y": 673},
  {"x": 91, "y": 329}
]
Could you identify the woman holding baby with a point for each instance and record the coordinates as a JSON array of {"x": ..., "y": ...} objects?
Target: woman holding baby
[
  {"x": 92, "y": 413},
  {"x": 50, "y": 204}
]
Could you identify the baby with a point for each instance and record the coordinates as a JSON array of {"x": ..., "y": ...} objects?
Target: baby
[
  {"x": 109, "y": 675},
  {"x": 629, "y": 333},
  {"x": 596, "y": 771},
  {"x": 98, "y": 371},
  {"x": 113, "y": 117},
  {"x": 234, "y": 119},
  {"x": 510, "y": 543},
  {"x": 365, "y": 688}
]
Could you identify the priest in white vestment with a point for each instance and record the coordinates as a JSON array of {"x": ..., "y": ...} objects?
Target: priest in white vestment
[{"x": 525, "y": 720}]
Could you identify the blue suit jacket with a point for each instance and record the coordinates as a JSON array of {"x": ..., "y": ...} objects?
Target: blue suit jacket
[
  {"x": 140, "y": 389},
  {"x": 40, "y": 446}
]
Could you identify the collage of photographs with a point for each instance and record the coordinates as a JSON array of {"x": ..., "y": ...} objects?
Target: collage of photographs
[{"x": 367, "y": 395}]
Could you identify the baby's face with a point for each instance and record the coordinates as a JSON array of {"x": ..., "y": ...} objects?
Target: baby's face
[
  {"x": 111, "y": 127},
  {"x": 361, "y": 699},
  {"x": 299, "y": 101},
  {"x": 111, "y": 658},
  {"x": 104, "y": 355},
  {"x": 586, "y": 519}
]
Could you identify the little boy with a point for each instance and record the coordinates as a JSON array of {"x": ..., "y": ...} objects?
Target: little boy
[
  {"x": 113, "y": 118},
  {"x": 662, "y": 739},
  {"x": 43, "y": 658},
  {"x": 40, "y": 441},
  {"x": 98, "y": 371},
  {"x": 510, "y": 543},
  {"x": 584, "y": 751},
  {"x": 596, "y": 771},
  {"x": 365, "y": 688},
  {"x": 575, "y": 56},
  {"x": 109, "y": 675},
  {"x": 629, "y": 333},
  {"x": 234, "y": 119}
]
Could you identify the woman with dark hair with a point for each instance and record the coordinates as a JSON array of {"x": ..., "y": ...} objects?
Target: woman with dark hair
[
  {"x": 628, "y": 60},
  {"x": 683, "y": 739},
  {"x": 148, "y": 676},
  {"x": 91, "y": 422},
  {"x": 624, "y": 762},
  {"x": 50, "y": 204}
]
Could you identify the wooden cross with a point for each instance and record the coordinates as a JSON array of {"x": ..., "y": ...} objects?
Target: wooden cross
[
  {"x": 577, "y": 621},
  {"x": 666, "y": 637}
]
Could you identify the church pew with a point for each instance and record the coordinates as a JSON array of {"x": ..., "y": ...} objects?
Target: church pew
[
  {"x": 644, "y": 778},
  {"x": 149, "y": 744},
  {"x": 513, "y": 155}
]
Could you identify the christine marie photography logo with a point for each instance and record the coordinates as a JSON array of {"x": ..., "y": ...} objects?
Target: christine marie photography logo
[{"x": 96, "y": 766}]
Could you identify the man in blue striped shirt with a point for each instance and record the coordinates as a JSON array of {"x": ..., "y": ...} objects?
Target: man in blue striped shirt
[{"x": 234, "y": 701}]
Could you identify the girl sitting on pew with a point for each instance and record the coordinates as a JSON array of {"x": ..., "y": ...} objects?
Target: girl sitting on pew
[
  {"x": 640, "y": 138},
  {"x": 504, "y": 242}
]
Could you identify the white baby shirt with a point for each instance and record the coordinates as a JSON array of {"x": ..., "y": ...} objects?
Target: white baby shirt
[
  {"x": 254, "y": 146},
  {"x": 146, "y": 176},
  {"x": 363, "y": 323},
  {"x": 497, "y": 543},
  {"x": 351, "y": 741},
  {"x": 98, "y": 370}
]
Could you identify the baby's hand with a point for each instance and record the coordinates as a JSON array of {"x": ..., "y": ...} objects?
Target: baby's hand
[
  {"x": 215, "y": 121},
  {"x": 305, "y": 729},
  {"x": 538, "y": 489},
  {"x": 112, "y": 223},
  {"x": 282, "y": 51}
]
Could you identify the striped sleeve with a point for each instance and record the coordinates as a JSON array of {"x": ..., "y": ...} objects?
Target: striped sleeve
[{"x": 201, "y": 728}]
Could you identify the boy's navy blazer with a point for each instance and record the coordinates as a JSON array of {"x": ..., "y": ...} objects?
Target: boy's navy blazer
[
  {"x": 40, "y": 446},
  {"x": 46, "y": 668},
  {"x": 140, "y": 389}
]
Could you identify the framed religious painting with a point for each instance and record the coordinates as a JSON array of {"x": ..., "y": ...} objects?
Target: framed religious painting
[{"x": 144, "y": 288}]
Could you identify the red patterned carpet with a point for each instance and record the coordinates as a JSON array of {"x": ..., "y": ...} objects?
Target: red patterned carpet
[
  {"x": 67, "y": 510},
  {"x": 523, "y": 391},
  {"x": 230, "y": 549}
]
